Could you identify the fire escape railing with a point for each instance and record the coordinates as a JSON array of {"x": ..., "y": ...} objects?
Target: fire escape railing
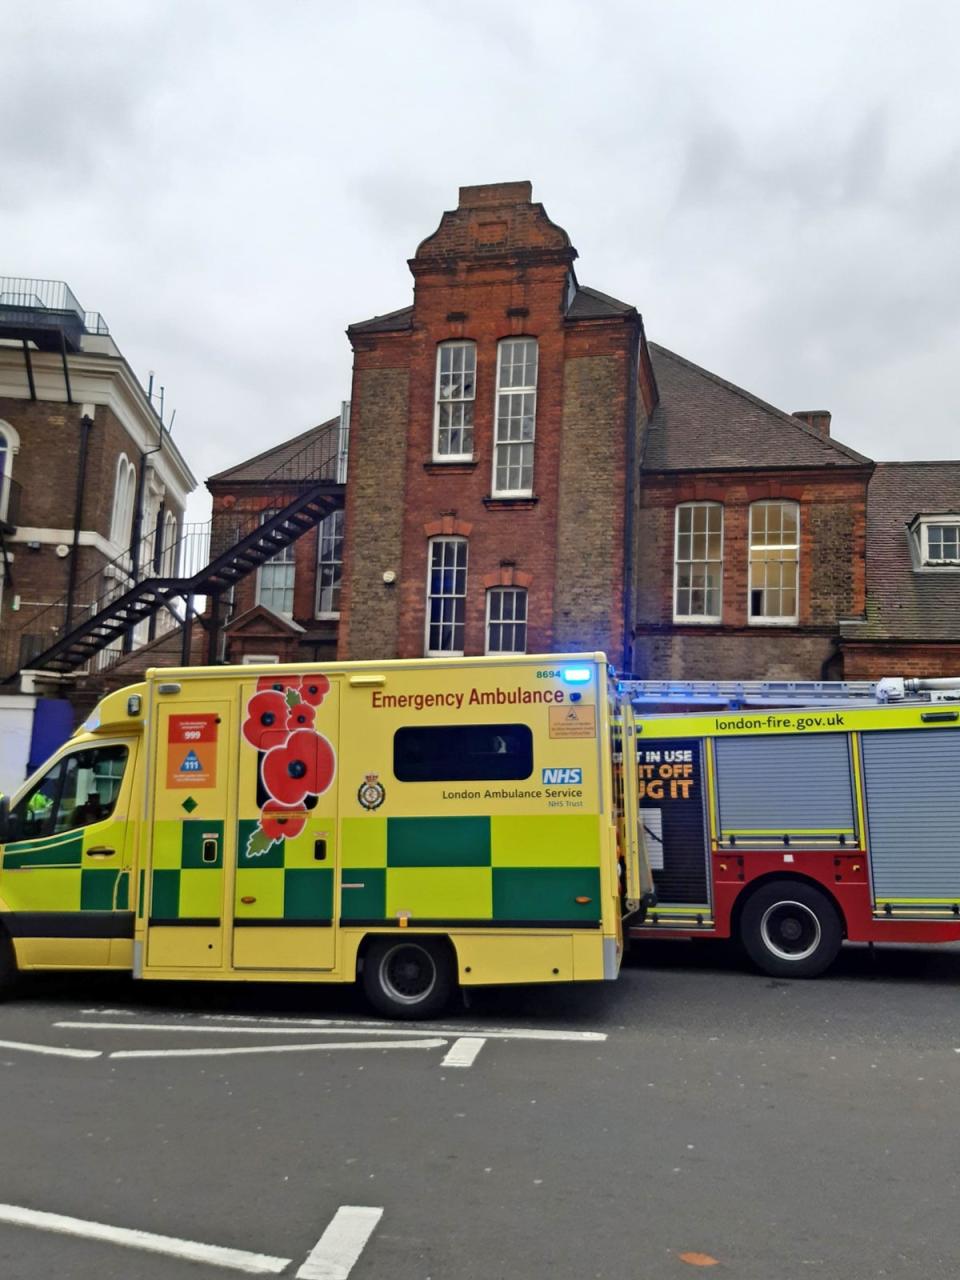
[{"x": 152, "y": 588}]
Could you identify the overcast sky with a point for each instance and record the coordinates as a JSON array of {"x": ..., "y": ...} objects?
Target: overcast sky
[{"x": 775, "y": 186}]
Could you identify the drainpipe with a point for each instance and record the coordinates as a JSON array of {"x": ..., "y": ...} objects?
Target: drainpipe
[{"x": 86, "y": 423}]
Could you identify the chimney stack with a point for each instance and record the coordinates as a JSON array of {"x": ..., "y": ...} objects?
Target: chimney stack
[{"x": 819, "y": 419}]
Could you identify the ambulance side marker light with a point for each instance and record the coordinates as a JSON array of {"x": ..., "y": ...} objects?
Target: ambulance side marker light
[
  {"x": 133, "y": 704},
  {"x": 168, "y": 688},
  {"x": 583, "y": 900}
]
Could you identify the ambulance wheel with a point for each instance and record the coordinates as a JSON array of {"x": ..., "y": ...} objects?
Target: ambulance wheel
[
  {"x": 791, "y": 930},
  {"x": 408, "y": 977},
  {"x": 9, "y": 973}
]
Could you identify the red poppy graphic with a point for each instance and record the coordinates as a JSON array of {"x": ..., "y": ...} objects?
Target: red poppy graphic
[
  {"x": 301, "y": 716},
  {"x": 314, "y": 689},
  {"x": 266, "y": 722},
  {"x": 303, "y": 766},
  {"x": 279, "y": 821},
  {"x": 278, "y": 684}
]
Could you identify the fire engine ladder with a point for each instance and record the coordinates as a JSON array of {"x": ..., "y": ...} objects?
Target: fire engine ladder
[{"x": 735, "y": 694}]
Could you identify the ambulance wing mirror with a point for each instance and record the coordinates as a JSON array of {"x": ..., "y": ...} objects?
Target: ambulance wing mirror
[{"x": 4, "y": 819}]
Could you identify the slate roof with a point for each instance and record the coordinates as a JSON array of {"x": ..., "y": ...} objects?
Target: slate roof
[
  {"x": 904, "y": 600},
  {"x": 392, "y": 322},
  {"x": 702, "y": 423},
  {"x": 265, "y": 464},
  {"x": 591, "y": 304},
  {"x": 587, "y": 304}
]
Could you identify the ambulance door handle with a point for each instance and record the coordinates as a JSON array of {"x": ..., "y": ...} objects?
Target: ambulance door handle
[
  {"x": 100, "y": 851},
  {"x": 320, "y": 850}
]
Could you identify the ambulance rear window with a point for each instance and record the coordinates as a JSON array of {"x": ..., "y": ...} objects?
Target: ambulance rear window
[{"x": 463, "y": 753}]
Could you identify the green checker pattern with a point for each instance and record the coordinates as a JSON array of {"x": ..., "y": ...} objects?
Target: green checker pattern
[
  {"x": 284, "y": 881},
  {"x": 506, "y": 869},
  {"x": 183, "y": 886},
  {"x": 57, "y": 879}
]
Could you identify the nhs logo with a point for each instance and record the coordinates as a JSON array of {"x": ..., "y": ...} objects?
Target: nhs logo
[{"x": 561, "y": 777}]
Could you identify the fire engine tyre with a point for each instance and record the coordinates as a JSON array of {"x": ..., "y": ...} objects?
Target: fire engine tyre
[
  {"x": 791, "y": 930},
  {"x": 408, "y": 977}
]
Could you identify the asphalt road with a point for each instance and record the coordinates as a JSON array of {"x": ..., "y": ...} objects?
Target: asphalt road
[{"x": 782, "y": 1129}]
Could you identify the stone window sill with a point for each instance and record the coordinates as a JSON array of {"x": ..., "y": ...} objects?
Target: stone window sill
[
  {"x": 510, "y": 504},
  {"x": 449, "y": 468}
]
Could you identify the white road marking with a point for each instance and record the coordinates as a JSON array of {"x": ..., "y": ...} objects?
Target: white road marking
[
  {"x": 278, "y": 1048},
  {"x": 256, "y": 1264},
  {"x": 54, "y": 1050},
  {"x": 334, "y": 1255},
  {"x": 463, "y": 1052},
  {"x": 238, "y": 1031},
  {"x": 372, "y": 1026}
]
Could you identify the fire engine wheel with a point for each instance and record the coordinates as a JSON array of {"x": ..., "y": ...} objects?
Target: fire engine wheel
[
  {"x": 409, "y": 977},
  {"x": 791, "y": 930}
]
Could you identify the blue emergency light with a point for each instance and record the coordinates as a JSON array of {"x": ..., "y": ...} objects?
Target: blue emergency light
[{"x": 576, "y": 675}]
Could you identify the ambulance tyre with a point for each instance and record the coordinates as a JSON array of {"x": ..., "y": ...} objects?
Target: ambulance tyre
[
  {"x": 409, "y": 977},
  {"x": 8, "y": 967},
  {"x": 791, "y": 930}
]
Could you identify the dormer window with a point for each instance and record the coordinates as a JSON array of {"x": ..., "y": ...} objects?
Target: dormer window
[{"x": 940, "y": 541}]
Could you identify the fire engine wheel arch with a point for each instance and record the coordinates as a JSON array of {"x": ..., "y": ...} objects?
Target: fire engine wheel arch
[
  {"x": 408, "y": 976},
  {"x": 789, "y": 927}
]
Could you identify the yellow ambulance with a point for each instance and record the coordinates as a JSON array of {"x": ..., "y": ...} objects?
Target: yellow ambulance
[{"x": 412, "y": 824}]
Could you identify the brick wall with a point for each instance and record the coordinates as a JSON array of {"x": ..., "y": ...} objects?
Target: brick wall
[
  {"x": 46, "y": 468},
  {"x": 831, "y": 577},
  {"x": 496, "y": 268},
  {"x": 588, "y": 606},
  {"x": 373, "y": 530},
  {"x": 904, "y": 658}
]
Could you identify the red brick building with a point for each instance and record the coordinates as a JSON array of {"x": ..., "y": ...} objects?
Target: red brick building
[
  {"x": 526, "y": 473},
  {"x": 493, "y": 447},
  {"x": 288, "y": 609},
  {"x": 751, "y": 535}
]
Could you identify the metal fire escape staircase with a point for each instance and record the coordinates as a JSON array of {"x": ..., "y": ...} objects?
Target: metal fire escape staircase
[{"x": 316, "y": 477}]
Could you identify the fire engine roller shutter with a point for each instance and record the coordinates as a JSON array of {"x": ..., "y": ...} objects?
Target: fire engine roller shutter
[
  {"x": 911, "y": 790},
  {"x": 785, "y": 785}
]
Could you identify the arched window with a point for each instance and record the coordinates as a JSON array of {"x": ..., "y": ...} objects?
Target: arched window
[
  {"x": 9, "y": 444},
  {"x": 456, "y": 392},
  {"x": 168, "y": 546},
  {"x": 516, "y": 418},
  {"x": 124, "y": 492},
  {"x": 774, "y": 562}
]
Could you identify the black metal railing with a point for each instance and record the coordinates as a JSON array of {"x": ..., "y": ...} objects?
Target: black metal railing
[
  {"x": 38, "y": 295},
  {"x": 178, "y": 554}
]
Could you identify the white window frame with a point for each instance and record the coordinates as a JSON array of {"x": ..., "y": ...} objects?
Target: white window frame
[
  {"x": 498, "y": 444},
  {"x": 9, "y": 447},
  {"x": 454, "y": 595},
  {"x": 706, "y": 619},
  {"x": 509, "y": 622},
  {"x": 937, "y": 522},
  {"x": 124, "y": 498},
  {"x": 258, "y": 659},
  {"x": 783, "y": 619},
  {"x": 465, "y": 345},
  {"x": 333, "y": 516},
  {"x": 283, "y": 556}
]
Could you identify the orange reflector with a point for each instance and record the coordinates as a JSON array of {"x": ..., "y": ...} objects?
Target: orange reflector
[
  {"x": 246, "y": 901},
  {"x": 698, "y": 1259},
  {"x": 583, "y": 900}
]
